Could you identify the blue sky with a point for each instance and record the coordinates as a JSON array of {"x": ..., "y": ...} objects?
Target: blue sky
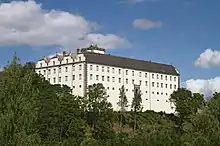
[{"x": 187, "y": 28}]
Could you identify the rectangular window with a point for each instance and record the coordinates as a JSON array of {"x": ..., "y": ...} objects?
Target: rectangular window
[
  {"x": 126, "y": 72},
  {"x": 139, "y": 74},
  {"x": 119, "y": 71},
  {"x": 126, "y": 81},
  {"x": 40, "y": 64},
  {"x": 49, "y": 79},
  {"x": 132, "y": 73},
  {"x": 157, "y": 85},
  {"x": 66, "y": 78},
  {"x": 166, "y": 85},
  {"x": 67, "y": 60},
  {"x": 49, "y": 71},
  {"x": 103, "y": 78},
  {"x": 66, "y": 69},
  {"x": 166, "y": 78},
  {"x": 54, "y": 80},
  {"x": 59, "y": 79},
  {"x": 152, "y": 84},
  {"x": 145, "y": 75},
  {"x": 73, "y": 67},
  {"x": 113, "y": 79},
  {"x": 54, "y": 70},
  {"x": 113, "y": 70},
  {"x": 146, "y": 83},
  {"x": 140, "y": 82},
  {"x": 170, "y": 86},
  {"x": 170, "y": 78},
  {"x": 90, "y": 76},
  {"x": 44, "y": 72},
  {"x": 157, "y": 76},
  {"x": 132, "y": 81},
  {"x": 103, "y": 69},
  {"x": 80, "y": 67},
  {"x": 73, "y": 77},
  {"x": 80, "y": 59},
  {"x": 107, "y": 69},
  {"x": 97, "y": 77},
  {"x": 59, "y": 69},
  {"x": 90, "y": 67},
  {"x": 39, "y": 72},
  {"x": 174, "y": 79},
  {"x": 161, "y": 76},
  {"x": 161, "y": 85},
  {"x": 152, "y": 76},
  {"x": 97, "y": 68},
  {"x": 174, "y": 86},
  {"x": 80, "y": 76},
  {"x": 108, "y": 78},
  {"x": 119, "y": 80},
  {"x": 53, "y": 62}
]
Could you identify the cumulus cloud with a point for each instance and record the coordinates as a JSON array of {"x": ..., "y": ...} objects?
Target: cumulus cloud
[
  {"x": 27, "y": 23},
  {"x": 205, "y": 87},
  {"x": 209, "y": 58},
  {"x": 146, "y": 24}
]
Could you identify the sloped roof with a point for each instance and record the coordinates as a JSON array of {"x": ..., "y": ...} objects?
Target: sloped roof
[{"x": 148, "y": 66}]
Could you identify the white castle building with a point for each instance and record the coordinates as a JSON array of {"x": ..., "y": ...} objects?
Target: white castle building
[{"x": 92, "y": 65}]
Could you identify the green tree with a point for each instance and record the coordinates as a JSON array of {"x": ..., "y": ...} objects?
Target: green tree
[
  {"x": 123, "y": 104},
  {"x": 136, "y": 106},
  {"x": 99, "y": 111}
]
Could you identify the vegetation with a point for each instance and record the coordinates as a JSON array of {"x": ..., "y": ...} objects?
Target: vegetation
[{"x": 34, "y": 112}]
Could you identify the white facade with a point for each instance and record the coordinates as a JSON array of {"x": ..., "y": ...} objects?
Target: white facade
[{"x": 75, "y": 72}]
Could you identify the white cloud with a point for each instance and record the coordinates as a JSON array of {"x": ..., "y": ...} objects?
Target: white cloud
[
  {"x": 209, "y": 58},
  {"x": 27, "y": 23},
  {"x": 206, "y": 87},
  {"x": 146, "y": 24},
  {"x": 139, "y": 1}
]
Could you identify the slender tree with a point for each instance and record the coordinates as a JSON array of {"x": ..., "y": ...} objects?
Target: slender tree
[
  {"x": 136, "y": 106},
  {"x": 123, "y": 104}
]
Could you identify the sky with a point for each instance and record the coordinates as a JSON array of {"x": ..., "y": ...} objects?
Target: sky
[{"x": 183, "y": 33}]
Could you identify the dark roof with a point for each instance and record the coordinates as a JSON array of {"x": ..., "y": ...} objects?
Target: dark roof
[{"x": 129, "y": 63}]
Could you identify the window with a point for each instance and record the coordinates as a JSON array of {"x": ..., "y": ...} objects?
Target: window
[
  {"x": 49, "y": 71},
  {"x": 113, "y": 88},
  {"x": 174, "y": 86},
  {"x": 49, "y": 79},
  {"x": 107, "y": 87},
  {"x": 170, "y": 78},
  {"x": 108, "y": 78},
  {"x": 157, "y": 93},
  {"x": 132, "y": 81},
  {"x": 73, "y": 67},
  {"x": 44, "y": 72},
  {"x": 126, "y": 72},
  {"x": 59, "y": 69},
  {"x": 161, "y": 93},
  {"x": 113, "y": 70},
  {"x": 66, "y": 78},
  {"x": 40, "y": 64},
  {"x": 103, "y": 78},
  {"x": 90, "y": 67},
  {"x": 165, "y": 77},
  {"x": 54, "y": 70},
  {"x": 140, "y": 82},
  {"x": 73, "y": 86},
  {"x": 97, "y": 77},
  {"x": 59, "y": 79},
  {"x": 66, "y": 69},
  {"x": 79, "y": 58},
  {"x": 174, "y": 79},
  {"x": 103, "y": 69},
  {"x": 161, "y": 85},
  {"x": 152, "y": 76},
  {"x": 170, "y": 86},
  {"x": 127, "y": 90},
  {"x": 145, "y": 75},
  {"x": 113, "y": 79},
  {"x": 97, "y": 68},
  {"x": 53, "y": 62},
  {"x": 161, "y": 76},
  {"x": 152, "y": 84},
  {"x": 107, "y": 69},
  {"x": 153, "y": 92},
  {"x": 54, "y": 80},
  {"x": 67, "y": 60},
  {"x": 80, "y": 86},
  {"x": 39, "y": 72},
  {"x": 80, "y": 67},
  {"x": 157, "y": 76},
  {"x": 145, "y": 83},
  {"x": 157, "y": 85},
  {"x": 80, "y": 76},
  {"x": 90, "y": 76},
  {"x": 166, "y": 94},
  {"x": 157, "y": 99},
  {"x": 126, "y": 81},
  {"x": 139, "y": 74},
  {"x": 73, "y": 77},
  {"x": 166, "y": 85},
  {"x": 119, "y": 71},
  {"x": 119, "y": 80},
  {"x": 132, "y": 73}
]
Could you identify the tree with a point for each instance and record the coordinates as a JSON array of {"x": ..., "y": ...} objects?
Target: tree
[
  {"x": 99, "y": 111},
  {"x": 136, "y": 105},
  {"x": 123, "y": 104}
]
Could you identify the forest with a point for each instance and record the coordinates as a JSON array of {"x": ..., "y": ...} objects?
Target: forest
[{"x": 35, "y": 113}]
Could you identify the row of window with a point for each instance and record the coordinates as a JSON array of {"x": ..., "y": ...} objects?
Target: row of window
[{"x": 54, "y": 63}]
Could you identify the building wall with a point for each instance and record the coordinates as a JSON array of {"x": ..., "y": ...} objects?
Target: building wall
[{"x": 77, "y": 74}]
